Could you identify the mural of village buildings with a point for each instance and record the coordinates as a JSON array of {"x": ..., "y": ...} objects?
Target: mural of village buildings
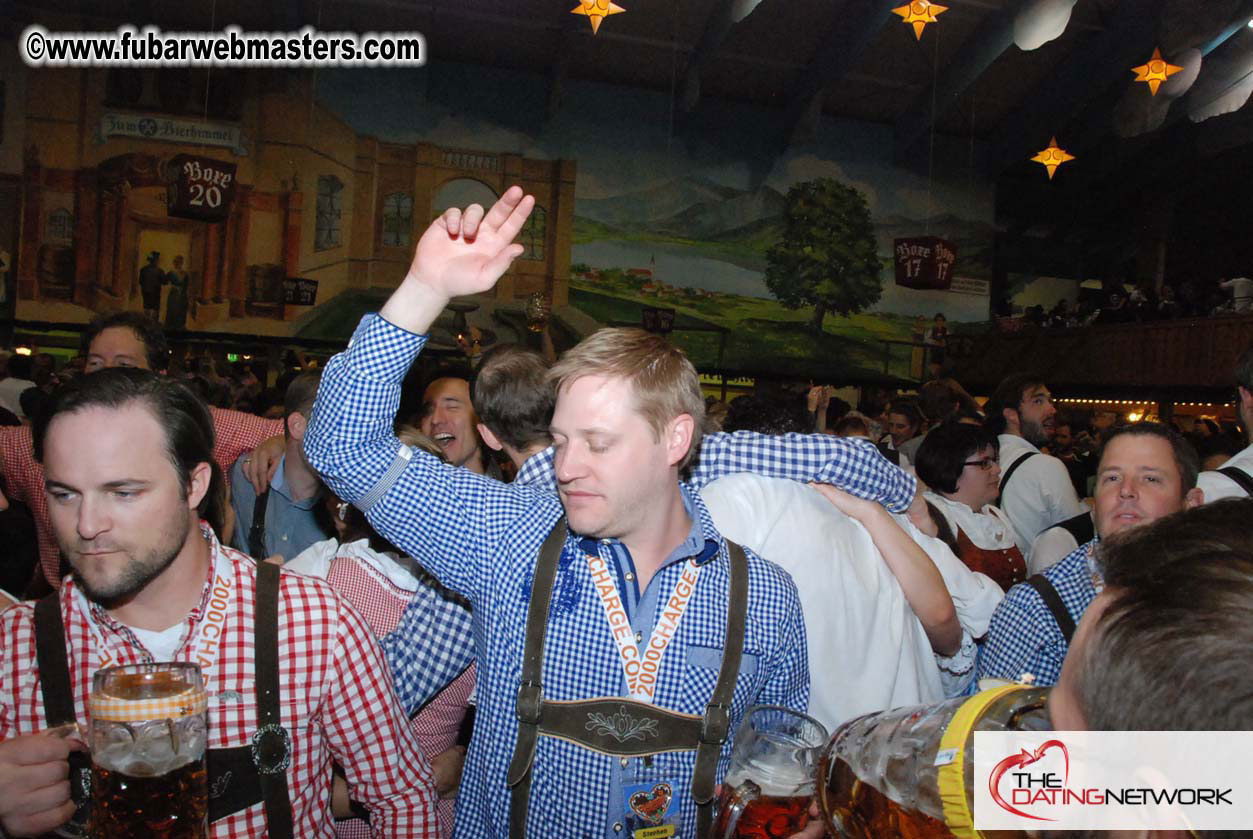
[{"x": 289, "y": 204}]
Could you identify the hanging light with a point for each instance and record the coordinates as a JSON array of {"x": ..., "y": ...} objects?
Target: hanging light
[
  {"x": 1052, "y": 157},
  {"x": 919, "y": 13},
  {"x": 1156, "y": 71},
  {"x": 596, "y": 11}
]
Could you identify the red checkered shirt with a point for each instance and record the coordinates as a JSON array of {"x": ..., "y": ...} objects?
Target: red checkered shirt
[
  {"x": 234, "y": 433},
  {"x": 336, "y": 699}
]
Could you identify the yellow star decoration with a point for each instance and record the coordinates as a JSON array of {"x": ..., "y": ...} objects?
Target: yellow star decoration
[
  {"x": 1156, "y": 71},
  {"x": 919, "y": 13},
  {"x": 596, "y": 11},
  {"x": 1052, "y": 157}
]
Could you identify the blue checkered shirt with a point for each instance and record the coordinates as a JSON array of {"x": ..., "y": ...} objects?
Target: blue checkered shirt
[
  {"x": 1024, "y": 636},
  {"x": 481, "y": 538}
]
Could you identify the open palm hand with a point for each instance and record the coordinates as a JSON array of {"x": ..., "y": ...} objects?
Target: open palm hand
[{"x": 467, "y": 252}]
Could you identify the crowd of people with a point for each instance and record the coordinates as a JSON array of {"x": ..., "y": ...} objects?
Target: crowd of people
[
  {"x": 1141, "y": 304},
  {"x": 565, "y": 582}
]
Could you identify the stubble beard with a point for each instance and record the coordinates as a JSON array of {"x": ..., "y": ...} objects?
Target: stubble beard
[{"x": 133, "y": 577}]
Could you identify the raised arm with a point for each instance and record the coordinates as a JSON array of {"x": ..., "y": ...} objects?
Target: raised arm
[
  {"x": 918, "y": 576},
  {"x": 446, "y": 518}
]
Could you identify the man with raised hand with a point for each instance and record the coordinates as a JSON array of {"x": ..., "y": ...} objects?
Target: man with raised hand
[{"x": 649, "y": 636}]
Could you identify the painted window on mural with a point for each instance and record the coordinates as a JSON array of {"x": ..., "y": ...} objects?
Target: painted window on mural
[
  {"x": 533, "y": 233},
  {"x": 60, "y": 229},
  {"x": 330, "y": 210},
  {"x": 397, "y": 220}
]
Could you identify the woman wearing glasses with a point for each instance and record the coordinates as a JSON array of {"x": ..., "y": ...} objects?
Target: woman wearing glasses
[{"x": 958, "y": 463}]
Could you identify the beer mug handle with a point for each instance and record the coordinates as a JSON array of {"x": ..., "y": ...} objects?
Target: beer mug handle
[{"x": 743, "y": 795}]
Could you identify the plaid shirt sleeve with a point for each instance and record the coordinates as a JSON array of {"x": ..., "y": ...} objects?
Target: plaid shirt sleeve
[
  {"x": 371, "y": 739},
  {"x": 854, "y": 465},
  {"x": 432, "y": 645},
  {"x": 24, "y": 477},
  {"x": 237, "y": 433}
]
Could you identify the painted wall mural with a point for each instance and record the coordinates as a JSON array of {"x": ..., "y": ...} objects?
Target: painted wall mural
[{"x": 337, "y": 174}]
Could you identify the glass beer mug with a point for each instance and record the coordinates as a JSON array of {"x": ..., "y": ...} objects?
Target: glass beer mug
[
  {"x": 148, "y": 737},
  {"x": 879, "y": 775},
  {"x": 767, "y": 790}
]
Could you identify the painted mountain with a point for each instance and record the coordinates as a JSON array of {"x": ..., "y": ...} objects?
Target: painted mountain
[{"x": 739, "y": 226}]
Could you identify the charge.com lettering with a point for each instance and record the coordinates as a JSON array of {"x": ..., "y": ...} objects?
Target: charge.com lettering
[{"x": 150, "y": 47}]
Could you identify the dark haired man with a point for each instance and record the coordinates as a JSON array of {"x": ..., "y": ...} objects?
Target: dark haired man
[
  {"x": 1234, "y": 478},
  {"x": 133, "y": 513},
  {"x": 448, "y": 418},
  {"x": 1147, "y": 471},
  {"x": 1036, "y": 491},
  {"x": 905, "y": 427},
  {"x": 124, "y": 339},
  {"x": 514, "y": 402},
  {"x": 1174, "y": 613},
  {"x": 280, "y": 521}
]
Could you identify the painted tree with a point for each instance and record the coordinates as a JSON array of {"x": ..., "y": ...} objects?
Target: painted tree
[{"x": 826, "y": 257}]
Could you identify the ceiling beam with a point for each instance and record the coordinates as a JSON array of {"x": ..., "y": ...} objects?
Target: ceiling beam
[
  {"x": 1087, "y": 70},
  {"x": 994, "y": 35},
  {"x": 838, "y": 52},
  {"x": 722, "y": 19}
]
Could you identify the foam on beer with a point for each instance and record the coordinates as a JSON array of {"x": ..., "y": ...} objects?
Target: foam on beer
[{"x": 775, "y": 779}]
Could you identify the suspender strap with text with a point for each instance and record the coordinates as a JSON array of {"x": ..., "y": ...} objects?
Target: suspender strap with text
[{"x": 567, "y": 720}]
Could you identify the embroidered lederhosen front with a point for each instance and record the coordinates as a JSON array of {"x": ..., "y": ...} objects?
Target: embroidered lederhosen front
[
  {"x": 574, "y": 721},
  {"x": 239, "y": 777}
]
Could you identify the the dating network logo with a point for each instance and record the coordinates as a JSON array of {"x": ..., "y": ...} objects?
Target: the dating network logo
[{"x": 1027, "y": 787}]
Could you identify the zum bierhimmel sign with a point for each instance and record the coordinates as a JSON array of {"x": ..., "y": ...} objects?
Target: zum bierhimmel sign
[{"x": 167, "y": 130}]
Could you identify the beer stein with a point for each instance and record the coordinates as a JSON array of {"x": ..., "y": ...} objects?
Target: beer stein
[
  {"x": 148, "y": 737},
  {"x": 893, "y": 773},
  {"x": 770, "y": 783},
  {"x": 536, "y": 310}
]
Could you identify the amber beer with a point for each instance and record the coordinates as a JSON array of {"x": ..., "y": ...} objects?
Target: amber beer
[
  {"x": 174, "y": 805},
  {"x": 858, "y": 809},
  {"x": 770, "y": 784},
  {"x": 148, "y": 738},
  {"x": 761, "y": 805},
  {"x": 896, "y": 773}
]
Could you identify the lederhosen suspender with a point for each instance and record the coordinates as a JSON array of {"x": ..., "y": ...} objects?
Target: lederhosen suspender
[
  {"x": 1053, "y": 601},
  {"x": 1013, "y": 467},
  {"x": 568, "y": 720},
  {"x": 1080, "y": 527},
  {"x": 58, "y": 697},
  {"x": 239, "y": 777},
  {"x": 256, "y": 533},
  {"x": 1244, "y": 479}
]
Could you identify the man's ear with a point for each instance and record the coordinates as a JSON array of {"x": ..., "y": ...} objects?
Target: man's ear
[
  {"x": 198, "y": 484},
  {"x": 1011, "y": 420},
  {"x": 1246, "y": 398},
  {"x": 1194, "y": 497},
  {"x": 678, "y": 438},
  {"x": 296, "y": 425},
  {"x": 489, "y": 438}
]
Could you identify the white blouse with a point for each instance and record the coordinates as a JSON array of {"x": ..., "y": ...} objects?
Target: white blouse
[{"x": 988, "y": 529}]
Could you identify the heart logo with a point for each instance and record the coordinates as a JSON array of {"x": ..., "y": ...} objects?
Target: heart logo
[
  {"x": 651, "y": 806},
  {"x": 1025, "y": 758}
]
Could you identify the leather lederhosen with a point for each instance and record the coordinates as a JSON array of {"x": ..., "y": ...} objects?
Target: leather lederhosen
[
  {"x": 1005, "y": 566},
  {"x": 239, "y": 777},
  {"x": 569, "y": 720}
]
